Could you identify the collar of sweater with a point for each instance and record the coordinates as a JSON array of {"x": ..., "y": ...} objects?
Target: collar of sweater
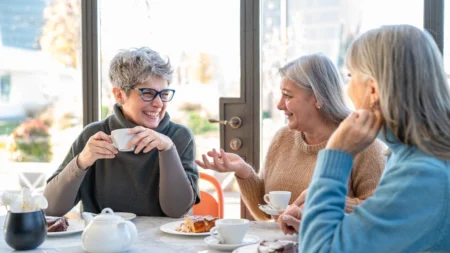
[
  {"x": 124, "y": 123},
  {"x": 305, "y": 147}
]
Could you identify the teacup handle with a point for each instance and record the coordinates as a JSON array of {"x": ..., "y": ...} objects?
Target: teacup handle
[
  {"x": 215, "y": 234},
  {"x": 267, "y": 200}
]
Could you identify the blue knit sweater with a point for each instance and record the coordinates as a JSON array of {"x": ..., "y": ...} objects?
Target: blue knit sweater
[{"x": 409, "y": 211}]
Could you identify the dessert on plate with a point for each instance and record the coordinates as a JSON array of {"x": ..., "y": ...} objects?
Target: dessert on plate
[
  {"x": 197, "y": 224},
  {"x": 277, "y": 246},
  {"x": 56, "y": 224}
]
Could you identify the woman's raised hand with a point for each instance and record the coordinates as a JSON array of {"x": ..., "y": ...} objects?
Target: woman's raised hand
[
  {"x": 146, "y": 139},
  {"x": 356, "y": 132},
  {"x": 99, "y": 146},
  {"x": 225, "y": 162}
]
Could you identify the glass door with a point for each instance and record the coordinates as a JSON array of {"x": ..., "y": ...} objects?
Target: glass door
[
  {"x": 292, "y": 28},
  {"x": 202, "y": 40}
]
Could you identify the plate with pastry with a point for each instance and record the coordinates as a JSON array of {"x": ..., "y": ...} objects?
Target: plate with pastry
[
  {"x": 58, "y": 226},
  {"x": 270, "y": 246},
  {"x": 192, "y": 225}
]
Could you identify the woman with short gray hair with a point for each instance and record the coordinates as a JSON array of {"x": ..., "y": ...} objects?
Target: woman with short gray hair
[
  {"x": 158, "y": 177},
  {"x": 313, "y": 101},
  {"x": 399, "y": 85}
]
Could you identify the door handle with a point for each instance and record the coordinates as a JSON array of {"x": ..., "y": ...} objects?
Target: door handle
[{"x": 234, "y": 122}]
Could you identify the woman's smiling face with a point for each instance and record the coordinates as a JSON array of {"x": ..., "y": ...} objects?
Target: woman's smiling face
[
  {"x": 136, "y": 110},
  {"x": 298, "y": 105}
]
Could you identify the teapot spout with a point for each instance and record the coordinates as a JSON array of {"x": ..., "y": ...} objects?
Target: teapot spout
[{"x": 87, "y": 217}]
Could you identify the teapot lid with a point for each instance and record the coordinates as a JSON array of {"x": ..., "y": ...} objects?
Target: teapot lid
[{"x": 107, "y": 214}]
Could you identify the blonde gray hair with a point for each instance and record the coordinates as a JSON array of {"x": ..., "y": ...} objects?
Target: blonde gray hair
[
  {"x": 414, "y": 93},
  {"x": 137, "y": 65},
  {"x": 316, "y": 74}
]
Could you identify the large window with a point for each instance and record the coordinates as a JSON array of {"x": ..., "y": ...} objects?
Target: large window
[
  {"x": 291, "y": 28},
  {"x": 201, "y": 39},
  {"x": 40, "y": 89}
]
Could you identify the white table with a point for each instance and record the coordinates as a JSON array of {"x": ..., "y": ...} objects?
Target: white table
[{"x": 151, "y": 238}]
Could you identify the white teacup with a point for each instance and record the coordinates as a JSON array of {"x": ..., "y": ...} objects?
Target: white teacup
[
  {"x": 230, "y": 231},
  {"x": 120, "y": 138},
  {"x": 278, "y": 199}
]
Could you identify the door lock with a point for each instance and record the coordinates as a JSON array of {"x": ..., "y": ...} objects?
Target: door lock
[
  {"x": 235, "y": 144},
  {"x": 234, "y": 122}
]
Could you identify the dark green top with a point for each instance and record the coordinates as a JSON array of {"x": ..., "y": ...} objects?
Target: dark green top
[{"x": 150, "y": 184}]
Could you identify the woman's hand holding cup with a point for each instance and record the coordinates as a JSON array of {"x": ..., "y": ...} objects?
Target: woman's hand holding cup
[
  {"x": 99, "y": 146},
  {"x": 146, "y": 139}
]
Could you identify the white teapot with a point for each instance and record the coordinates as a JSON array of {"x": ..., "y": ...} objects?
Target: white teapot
[{"x": 107, "y": 232}]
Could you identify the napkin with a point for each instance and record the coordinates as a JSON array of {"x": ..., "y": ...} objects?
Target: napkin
[{"x": 24, "y": 201}]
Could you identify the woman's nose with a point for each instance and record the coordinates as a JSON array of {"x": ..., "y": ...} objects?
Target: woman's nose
[
  {"x": 157, "y": 102},
  {"x": 280, "y": 105}
]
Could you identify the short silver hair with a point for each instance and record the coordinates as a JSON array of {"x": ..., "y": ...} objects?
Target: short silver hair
[
  {"x": 317, "y": 74},
  {"x": 414, "y": 93},
  {"x": 137, "y": 65}
]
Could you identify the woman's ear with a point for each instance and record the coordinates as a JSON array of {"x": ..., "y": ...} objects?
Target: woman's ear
[
  {"x": 374, "y": 91},
  {"x": 317, "y": 104},
  {"x": 119, "y": 95}
]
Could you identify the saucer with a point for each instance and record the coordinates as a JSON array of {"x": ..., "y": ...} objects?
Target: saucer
[
  {"x": 269, "y": 210},
  {"x": 215, "y": 244}
]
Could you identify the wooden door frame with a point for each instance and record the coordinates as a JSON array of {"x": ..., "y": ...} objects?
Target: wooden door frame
[{"x": 247, "y": 106}]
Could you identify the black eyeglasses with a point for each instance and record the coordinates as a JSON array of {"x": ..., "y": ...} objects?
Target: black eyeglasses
[{"x": 149, "y": 94}]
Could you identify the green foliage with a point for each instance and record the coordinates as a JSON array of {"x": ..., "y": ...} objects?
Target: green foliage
[
  {"x": 105, "y": 111},
  {"x": 6, "y": 128},
  {"x": 200, "y": 125},
  {"x": 31, "y": 142}
]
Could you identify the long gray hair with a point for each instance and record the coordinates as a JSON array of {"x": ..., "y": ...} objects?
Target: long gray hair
[
  {"x": 414, "y": 93},
  {"x": 137, "y": 65},
  {"x": 317, "y": 74}
]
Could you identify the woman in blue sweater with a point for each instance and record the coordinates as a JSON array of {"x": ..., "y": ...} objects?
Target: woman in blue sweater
[{"x": 399, "y": 86}]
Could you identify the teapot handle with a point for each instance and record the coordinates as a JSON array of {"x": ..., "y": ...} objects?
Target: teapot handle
[{"x": 132, "y": 229}]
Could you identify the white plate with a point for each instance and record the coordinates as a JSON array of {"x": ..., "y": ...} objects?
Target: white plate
[
  {"x": 268, "y": 210},
  {"x": 247, "y": 249},
  {"x": 215, "y": 244},
  {"x": 126, "y": 216},
  {"x": 75, "y": 226},
  {"x": 171, "y": 227}
]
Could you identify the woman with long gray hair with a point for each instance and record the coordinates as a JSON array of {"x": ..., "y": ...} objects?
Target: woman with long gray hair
[
  {"x": 399, "y": 85},
  {"x": 156, "y": 174},
  {"x": 313, "y": 102}
]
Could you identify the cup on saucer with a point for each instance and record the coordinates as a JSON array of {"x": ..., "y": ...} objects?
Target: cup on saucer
[
  {"x": 278, "y": 199},
  {"x": 215, "y": 244},
  {"x": 230, "y": 231}
]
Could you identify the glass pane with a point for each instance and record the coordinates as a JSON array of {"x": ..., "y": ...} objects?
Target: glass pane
[
  {"x": 204, "y": 49},
  {"x": 291, "y": 28},
  {"x": 40, "y": 89}
]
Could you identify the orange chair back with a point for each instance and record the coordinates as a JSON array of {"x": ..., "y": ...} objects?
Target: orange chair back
[{"x": 208, "y": 204}]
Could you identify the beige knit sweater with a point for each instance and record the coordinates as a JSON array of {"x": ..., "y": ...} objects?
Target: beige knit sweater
[{"x": 290, "y": 164}]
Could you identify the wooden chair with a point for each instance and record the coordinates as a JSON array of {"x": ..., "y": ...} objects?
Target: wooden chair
[{"x": 208, "y": 204}]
